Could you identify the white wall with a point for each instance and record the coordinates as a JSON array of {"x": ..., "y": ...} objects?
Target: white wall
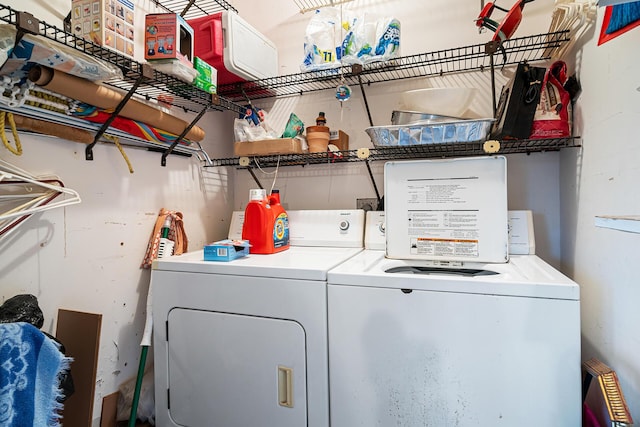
[
  {"x": 87, "y": 257},
  {"x": 602, "y": 179}
]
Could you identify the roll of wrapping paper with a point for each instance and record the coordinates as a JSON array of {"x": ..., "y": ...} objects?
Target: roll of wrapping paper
[
  {"x": 53, "y": 129},
  {"x": 103, "y": 97}
]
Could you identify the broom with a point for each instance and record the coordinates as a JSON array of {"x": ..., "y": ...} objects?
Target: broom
[{"x": 623, "y": 15}]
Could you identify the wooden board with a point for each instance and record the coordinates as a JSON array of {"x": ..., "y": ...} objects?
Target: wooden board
[
  {"x": 267, "y": 147},
  {"x": 109, "y": 413},
  {"x": 80, "y": 334}
]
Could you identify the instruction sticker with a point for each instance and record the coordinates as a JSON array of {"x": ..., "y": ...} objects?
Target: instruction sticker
[
  {"x": 453, "y": 210},
  {"x": 447, "y": 231}
]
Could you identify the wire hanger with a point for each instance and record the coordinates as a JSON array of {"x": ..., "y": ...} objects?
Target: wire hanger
[
  {"x": 33, "y": 200},
  {"x": 36, "y": 201}
]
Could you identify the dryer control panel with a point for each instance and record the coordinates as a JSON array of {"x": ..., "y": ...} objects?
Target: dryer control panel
[{"x": 341, "y": 228}]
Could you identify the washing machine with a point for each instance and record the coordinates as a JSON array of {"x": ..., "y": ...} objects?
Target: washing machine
[
  {"x": 437, "y": 343},
  {"x": 244, "y": 343}
]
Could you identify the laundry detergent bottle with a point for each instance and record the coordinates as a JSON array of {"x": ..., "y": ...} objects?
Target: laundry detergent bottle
[
  {"x": 280, "y": 222},
  {"x": 266, "y": 224},
  {"x": 257, "y": 222}
]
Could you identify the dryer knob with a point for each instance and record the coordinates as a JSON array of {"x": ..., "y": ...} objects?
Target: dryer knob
[{"x": 344, "y": 225}]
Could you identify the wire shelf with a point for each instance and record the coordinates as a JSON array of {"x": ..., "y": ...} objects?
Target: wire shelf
[
  {"x": 425, "y": 151},
  {"x": 456, "y": 60},
  {"x": 190, "y": 9},
  {"x": 309, "y": 5},
  {"x": 164, "y": 88},
  {"x": 160, "y": 86}
]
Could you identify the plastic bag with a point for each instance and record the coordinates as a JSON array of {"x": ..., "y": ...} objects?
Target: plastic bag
[
  {"x": 554, "y": 111},
  {"x": 146, "y": 403},
  {"x": 58, "y": 56},
  {"x": 366, "y": 38},
  {"x": 322, "y": 40},
  {"x": 294, "y": 127},
  {"x": 22, "y": 308},
  {"x": 372, "y": 39},
  {"x": 253, "y": 125}
]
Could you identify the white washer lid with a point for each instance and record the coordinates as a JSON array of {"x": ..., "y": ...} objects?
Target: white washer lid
[
  {"x": 299, "y": 262},
  {"x": 447, "y": 209},
  {"x": 523, "y": 276}
]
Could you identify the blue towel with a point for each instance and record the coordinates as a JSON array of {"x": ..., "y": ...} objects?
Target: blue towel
[{"x": 30, "y": 363}]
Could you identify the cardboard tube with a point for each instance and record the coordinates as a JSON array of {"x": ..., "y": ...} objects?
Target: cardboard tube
[
  {"x": 108, "y": 99},
  {"x": 54, "y": 129}
]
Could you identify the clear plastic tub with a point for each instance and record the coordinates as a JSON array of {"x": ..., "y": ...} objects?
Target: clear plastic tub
[{"x": 435, "y": 133}]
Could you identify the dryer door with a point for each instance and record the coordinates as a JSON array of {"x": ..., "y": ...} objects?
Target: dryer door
[{"x": 235, "y": 370}]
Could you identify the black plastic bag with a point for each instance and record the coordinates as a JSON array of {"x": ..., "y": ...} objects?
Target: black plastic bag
[
  {"x": 65, "y": 380},
  {"x": 22, "y": 308}
]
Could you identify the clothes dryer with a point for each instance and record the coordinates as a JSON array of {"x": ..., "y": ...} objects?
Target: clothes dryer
[{"x": 244, "y": 343}]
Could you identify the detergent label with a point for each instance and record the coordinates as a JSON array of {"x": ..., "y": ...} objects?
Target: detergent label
[
  {"x": 281, "y": 231},
  {"x": 390, "y": 40}
]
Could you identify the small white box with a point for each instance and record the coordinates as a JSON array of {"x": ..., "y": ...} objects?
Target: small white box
[
  {"x": 449, "y": 210},
  {"x": 108, "y": 23},
  {"x": 168, "y": 36}
]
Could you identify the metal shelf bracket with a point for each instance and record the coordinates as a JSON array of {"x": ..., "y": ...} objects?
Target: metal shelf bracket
[
  {"x": 26, "y": 23},
  {"x": 373, "y": 181},
  {"x": 490, "y": 49},
  {"x": 147, "y": 73},
  {"x": 186, "y": 130}
]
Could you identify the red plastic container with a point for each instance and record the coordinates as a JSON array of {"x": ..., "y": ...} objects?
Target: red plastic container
[
  {"x": 235, "y": 49},
  {"x": 266, "y": 224}
]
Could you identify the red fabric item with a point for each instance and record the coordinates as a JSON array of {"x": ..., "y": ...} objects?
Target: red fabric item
[
  {"x": 588, "y": 417},
  {"x": 553, "y": 113},
  {"x": 132, "y": 127}
]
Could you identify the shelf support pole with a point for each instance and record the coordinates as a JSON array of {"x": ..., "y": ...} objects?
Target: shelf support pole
[
  {"x": 356, "y": 69},
  {"x": 186, "y": 130},
  {"x": 147, "y": 73},
  {"x": 373, "y": 181},
  {"x": 255, "y": 178},
  {"x": 490, "y": 48}
]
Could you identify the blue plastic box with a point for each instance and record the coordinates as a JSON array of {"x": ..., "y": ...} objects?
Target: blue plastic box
[{"x": 226, "y": 250}]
